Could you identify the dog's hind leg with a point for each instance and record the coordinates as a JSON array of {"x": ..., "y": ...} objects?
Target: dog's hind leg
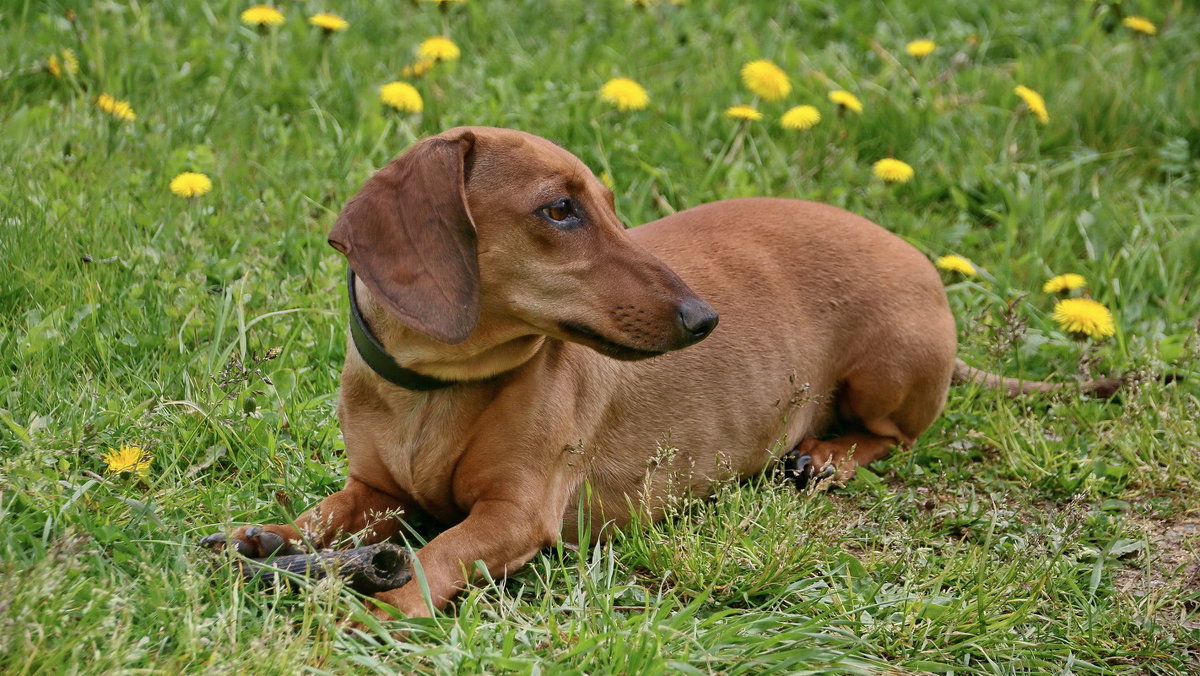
[
  {"x": 357, "y": 508},
  {"x": 882, "y": 407}
]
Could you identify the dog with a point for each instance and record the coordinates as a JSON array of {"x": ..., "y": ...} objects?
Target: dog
[{"x": 526, "y": 370}]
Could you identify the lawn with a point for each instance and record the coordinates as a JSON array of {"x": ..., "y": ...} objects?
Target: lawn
[{"x": 1053, "y": 533}]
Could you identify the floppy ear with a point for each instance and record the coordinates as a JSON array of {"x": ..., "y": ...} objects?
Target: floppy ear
[{"x": 409, "y": 236}]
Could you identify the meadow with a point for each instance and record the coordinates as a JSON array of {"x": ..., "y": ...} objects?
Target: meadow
[{"x": 1037, "y": 534}]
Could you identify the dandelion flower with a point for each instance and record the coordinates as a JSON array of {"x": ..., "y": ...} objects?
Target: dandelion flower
[
  {"x": 262, "y": 16},
  {"x": 625, "y": 94},
  {"x": 920, "y": 48},
  {"x": 766, "y": 80},
  {"x": 743, "y": 113},
  {"x": 957, "y": 264},
  {"x": 846, "y": 100},
  {"x": 190, "y": 184},
  {"x": 118, "y": 109},
  {"x": 69, "y": 64},
  {"x": 606, "y": 179},
  {"x": 1083, "y": 317},
  {"x": 418, "y": 68},
  {"x": 893, "y": 170},
  {"x": 330, "y": 23},
  {"x": 402, "y": 96},
  {"x": 123, "y": 111},
  {"x": 1140, "y": 24},
  {"x": 439, "y": 49},
  {"x": 801, "y": 117},
  {"x": 1034, "y": 102},
  {"x": 1064, "y": 283},
  {"x": 127, "y": 459}
]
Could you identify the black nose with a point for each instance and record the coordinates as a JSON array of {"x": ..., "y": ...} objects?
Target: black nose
[{"x": 696, "y": 319}]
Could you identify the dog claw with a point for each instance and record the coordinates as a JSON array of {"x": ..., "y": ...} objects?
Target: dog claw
[
  {"x": 252, "y": 543},
  {"x": 796, "y": 467},
  {"x": 247, "y": 549},
  {"x": 800, "y": 469}
]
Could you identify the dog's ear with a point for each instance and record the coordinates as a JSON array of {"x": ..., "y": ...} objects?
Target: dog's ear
[{"x": 409, "y": 236}]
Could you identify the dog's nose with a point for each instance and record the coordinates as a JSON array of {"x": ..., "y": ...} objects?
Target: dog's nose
[{"x": 696, "y": 319}]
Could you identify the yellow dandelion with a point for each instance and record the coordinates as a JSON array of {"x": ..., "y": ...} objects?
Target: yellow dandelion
[
  {"x": 743, "y": 113},
  {"x": 893, "y": 170},
  {"x": 262, "y": 16},
  {"x": 1064, "y": 283},
  {"x": 920, "y": 48},
  {"x": 800, "y": 117},
  {"x": 418, "y": 68},
  {"x": 402, "y": 96},
  {"x": 123, "y": 111},
  {"x": 846, "y": 100},
  {"x": 68, "y": 64},
  {"x": 70, "y": 61},
  {"x": 1140, "y": 24},
  {"x": 606, "y": 179},
  {"x": 118, "y": 109},
  {"x": 330, "y": 23},
  {"x": 1034, "y": 102},
  {"x": 625, "y": 94},
  {"x": 127, "y": 459},
  {"x": 190, "y": 184},
  {"x": 957, "y": 264},
  {"x": 766, "y": 80},
  {"x": 438, "y": 48},
  {"x": 1083, "y": 317}
]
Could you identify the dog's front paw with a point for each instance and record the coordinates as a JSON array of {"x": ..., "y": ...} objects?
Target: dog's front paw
[{"x": 255, "y": 542}]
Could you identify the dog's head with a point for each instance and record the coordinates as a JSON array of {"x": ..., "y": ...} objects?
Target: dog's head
[{"x": 484, "y": 230}]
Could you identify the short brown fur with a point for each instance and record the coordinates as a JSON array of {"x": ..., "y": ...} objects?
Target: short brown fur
[{"x": 824, "y": 316}]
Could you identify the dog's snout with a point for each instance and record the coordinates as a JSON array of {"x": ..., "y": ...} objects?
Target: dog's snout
[{"x": 696, "y": 319}]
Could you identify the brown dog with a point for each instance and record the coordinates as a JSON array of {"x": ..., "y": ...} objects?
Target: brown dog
[{"x": 539, "y": 346}]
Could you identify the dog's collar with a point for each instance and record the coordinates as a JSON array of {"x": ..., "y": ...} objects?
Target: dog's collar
[{"x": 372, "y": 352}]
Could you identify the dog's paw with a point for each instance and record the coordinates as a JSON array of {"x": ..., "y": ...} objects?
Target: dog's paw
[
  {"x": 800, "y": 468},
  {"x": 252, "y": 542}
]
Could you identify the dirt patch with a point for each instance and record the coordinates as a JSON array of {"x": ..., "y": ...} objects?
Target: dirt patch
[{"x": 1171, "y": 565}]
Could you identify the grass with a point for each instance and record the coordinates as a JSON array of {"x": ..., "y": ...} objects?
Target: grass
[{"x": 1048, "y": 534}]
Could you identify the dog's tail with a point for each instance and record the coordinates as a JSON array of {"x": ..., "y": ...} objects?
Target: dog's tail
[{"x": 963, "y": 374}]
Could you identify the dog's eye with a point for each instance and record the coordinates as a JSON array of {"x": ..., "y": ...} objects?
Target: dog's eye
[{"x": 561, "y": 213}]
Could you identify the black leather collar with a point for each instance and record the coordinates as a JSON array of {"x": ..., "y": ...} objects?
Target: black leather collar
[{"x": 373, "y": 353}]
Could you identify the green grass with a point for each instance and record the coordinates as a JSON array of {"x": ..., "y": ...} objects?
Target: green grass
[{"x": 1051, "y": 534}]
